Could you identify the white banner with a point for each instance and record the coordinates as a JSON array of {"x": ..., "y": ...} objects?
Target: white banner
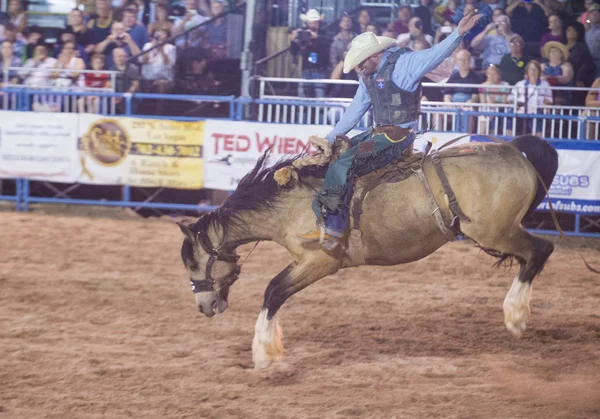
[
  {"x": 231, "y": 148},
  {"x": 576, "y": 186},
  {"x": 38, "y": 146}
]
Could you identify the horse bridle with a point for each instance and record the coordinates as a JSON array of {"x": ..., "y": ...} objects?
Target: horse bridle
[{"x": 208, "y": 284}]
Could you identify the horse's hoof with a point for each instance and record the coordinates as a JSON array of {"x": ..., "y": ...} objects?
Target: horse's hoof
[{"x": 516, "y": 308}]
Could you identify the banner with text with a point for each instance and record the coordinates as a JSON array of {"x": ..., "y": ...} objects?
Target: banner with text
[
  {"x": 38, "y": 146},
  {"x": 94, "y": 149},
  {"x": 140, "y": 152},
  {"x": 576, "y": 186},
  {"x": 232, "y": 148}
]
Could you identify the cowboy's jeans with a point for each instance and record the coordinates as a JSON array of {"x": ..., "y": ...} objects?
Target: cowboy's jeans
[{"x": 369, "y": 151}]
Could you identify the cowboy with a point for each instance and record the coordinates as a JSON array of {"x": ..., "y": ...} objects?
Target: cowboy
[
  {"x": 313, "y": 46},
  {"x": 390, "y": 82}
]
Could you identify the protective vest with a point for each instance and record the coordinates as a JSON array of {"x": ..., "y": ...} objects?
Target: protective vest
[{"x": 392, "y": 105}]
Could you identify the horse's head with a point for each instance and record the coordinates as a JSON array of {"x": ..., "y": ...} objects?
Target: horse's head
[{"x": 212, "y": 269}]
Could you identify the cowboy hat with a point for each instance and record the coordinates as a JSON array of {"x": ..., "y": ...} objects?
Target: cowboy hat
[
  {"x": 553, "y": 44},
  {"x": 364, "y": 46},
  {"x": 311, "y": 16}
]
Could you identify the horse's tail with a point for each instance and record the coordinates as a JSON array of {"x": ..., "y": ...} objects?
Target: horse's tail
[{"x": 545, "y": 160}]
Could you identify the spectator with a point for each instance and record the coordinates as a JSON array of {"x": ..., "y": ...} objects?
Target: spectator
[
  {"x": 127, "y": 78},
  {"x": 528, "y": 19},
  {"x": 162, "y": 20},
  {"x": 190, "y": 20},
  {"x": 556, "y": 30},
  {"x": 464, "y": 75},
  {"x": 373, "y": 28},
  {"x": 592, "y": 35},
  {"x": 531, "y": 93},
  {"x": 581, "y": 60},
  {"x": 492, "y": 95},
  {"x": 94, "y": 81},
  {"x": 593, "y": 101},
  {"x": 67, "y": 60},
  {"x": 401, "y": 25},
  {"x": 482, "y": 8},
  {"x": 146, "y": 12},
  {"x": 33, "y": 35},
  {"x": 36, "y": 69},
  {"x": 513, "y": 65},
  {"x": 447, "y": 12},
  {"x": 83, "y": 36},
  {"x": 498, "y": 12},
  {"x": 100, "y": 27},
  {"x": 313, "y": 47},
  {"x": 415, "y": 27},
  {"x": 68, "y": 36},
  {"x": 215, "y": 34},
  {"x": 8, "y": 59},
  {"x": 495, "y": 46},
  {"x": 18, "y": 45},
  {"x": 424, "y": 12},
  {"x": 584, "y": 16},
  {"x": 557, "y": 71},
  {"x": 364, "y": 20},
  {"x": 17, "y": 15},
  {"x": 117, "y": 39},
  {"x": 158, "y": 64},
  {"x": 199, "y": 80},
  {"x": 495, "y": 4},
  {"x": 138, "y": 32},
  {"x": 443, "y": 31},
  {"x": 339, "y": 46}
]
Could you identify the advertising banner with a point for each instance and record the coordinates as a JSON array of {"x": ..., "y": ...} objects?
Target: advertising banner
[
  {"x": 38, "y": 146},
  {"x": 140, "y": 152},
  {"x": 94, "y": 149},
  {"x": 576, "y": 186},
  {"x": 233, "y": 147}
]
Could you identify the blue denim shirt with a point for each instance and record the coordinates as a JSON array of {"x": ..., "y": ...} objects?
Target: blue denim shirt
[{"x": 410, "y": 69}]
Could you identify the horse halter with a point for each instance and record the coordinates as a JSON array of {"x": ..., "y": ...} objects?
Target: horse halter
[{"x": 208, "y": 283}]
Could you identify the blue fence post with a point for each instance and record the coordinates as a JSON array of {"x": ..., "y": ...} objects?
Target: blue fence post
[
  {"x": 25, "y": 195},
  {"x": 18, "y": 194},
  {"x": 128, "y": 98},
  {"x": 24, "y": 95},
  {"x": 582, "y": 128},
  {"x": 577, "y": 223},
  {"x": 126, "y": 193}
]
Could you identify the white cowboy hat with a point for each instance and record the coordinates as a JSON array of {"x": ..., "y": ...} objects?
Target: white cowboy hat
[
  {"x": 364, "y": 46},
  {"x": 311, "y": 16}
]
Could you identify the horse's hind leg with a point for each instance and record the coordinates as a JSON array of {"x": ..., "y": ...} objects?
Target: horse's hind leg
[
  {"x": 267, "y": 346},
  {"x": 532, "y": 253}
]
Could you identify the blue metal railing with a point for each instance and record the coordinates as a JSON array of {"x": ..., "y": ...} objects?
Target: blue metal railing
[{"x": 238, "y": 110}]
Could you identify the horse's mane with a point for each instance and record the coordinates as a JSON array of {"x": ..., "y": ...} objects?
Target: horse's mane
[{"x": 257, "y": 191}]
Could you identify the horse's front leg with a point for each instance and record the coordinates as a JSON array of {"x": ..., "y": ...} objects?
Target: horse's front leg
[{"x": 267, "y": 345}]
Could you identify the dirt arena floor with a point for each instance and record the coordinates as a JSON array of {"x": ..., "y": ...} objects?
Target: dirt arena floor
[{"x": 97, "y": 320}]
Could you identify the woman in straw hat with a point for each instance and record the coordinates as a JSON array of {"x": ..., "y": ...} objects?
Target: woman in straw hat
[
  {"x": 557, "y": 70},
  {"x": 390, "y": 82}
]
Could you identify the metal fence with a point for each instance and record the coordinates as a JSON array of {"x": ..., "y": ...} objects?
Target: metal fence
[
  {"x": 20, "y": 191},
  {"x": 506, "y": 119}
]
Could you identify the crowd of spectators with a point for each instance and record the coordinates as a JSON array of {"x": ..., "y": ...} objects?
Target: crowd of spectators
[
  {"x": 104, "y": 35},
  {"x": 517, "y": 43}
]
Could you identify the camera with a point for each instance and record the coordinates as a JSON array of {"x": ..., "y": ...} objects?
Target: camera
[
  {"x": 120, "y": 37},
  {"x": 303, "y": 36},
  {"x": 446, "y": 29}
]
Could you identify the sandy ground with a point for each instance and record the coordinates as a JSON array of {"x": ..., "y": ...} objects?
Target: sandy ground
[{"x": 97, "y": 320}]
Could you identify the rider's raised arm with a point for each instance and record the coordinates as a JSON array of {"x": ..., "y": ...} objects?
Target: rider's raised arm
[
  {"x": 360, "y": 104},
  {"x": 412, "y": 66}
]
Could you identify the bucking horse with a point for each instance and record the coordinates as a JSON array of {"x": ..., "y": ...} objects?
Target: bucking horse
[{"x": 400, "y": 214}]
